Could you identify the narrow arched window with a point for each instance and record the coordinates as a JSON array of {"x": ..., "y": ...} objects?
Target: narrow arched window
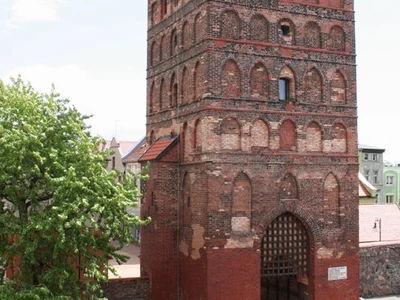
[{"x": 287, "y": 84}]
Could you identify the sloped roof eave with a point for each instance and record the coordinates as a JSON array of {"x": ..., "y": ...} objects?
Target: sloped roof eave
[{"x": 158, "y": 149}]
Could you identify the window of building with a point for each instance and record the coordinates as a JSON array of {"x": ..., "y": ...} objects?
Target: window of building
[
  {"x": 366, "y": 174},
  {"x": 389, "y": 198},
  {"x": 389, "y": 180},
  {"x": 366, "y": 156},
  {"x": 374, "y": 156},
  {"x": 284, "y": 89},
  {"x": 284, "y": 30},
  {"x": 376, "y": 177},
  {"x": 113, "y": 163}
]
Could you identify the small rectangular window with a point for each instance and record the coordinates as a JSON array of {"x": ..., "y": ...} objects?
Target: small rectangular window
[
  {"x": 366, "y": 174},
  {"x": 376, "y": 177},
  {"x": 113, "y": 163},
  {"x": 389, "y": 198},
  {"x": 374, "y": 156},
  {"x": 366, "y": 156},
  {"x": 283, "y": 89},
  {"x": 389, "y": 180}
]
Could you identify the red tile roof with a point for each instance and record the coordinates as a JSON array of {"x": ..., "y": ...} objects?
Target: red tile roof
[
  {"x": 136, "y": 152},
  {"x": 157, "y": 149},
  {"x": 126, "y": 146}
]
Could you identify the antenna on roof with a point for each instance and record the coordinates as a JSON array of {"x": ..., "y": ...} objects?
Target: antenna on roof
[{"x": 116, "y": 129}]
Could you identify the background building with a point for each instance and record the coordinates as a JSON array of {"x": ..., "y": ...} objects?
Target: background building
[
  {"x": 251, "y": 118},
  {"x": 371, "y": 166},
  {"x": 391, "y": 185},
  {"x": 366, "y": 191},
  {"x": 131, "y": 164},
  {"x": 123, "y": 158}
]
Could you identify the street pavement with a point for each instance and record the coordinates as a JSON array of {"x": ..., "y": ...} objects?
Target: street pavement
[{"x": 131, "y": 268}]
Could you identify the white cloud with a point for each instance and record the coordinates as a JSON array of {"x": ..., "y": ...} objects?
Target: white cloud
[
  {"x": 117, "y": 105},
  {"x": 34, "y": 10}
]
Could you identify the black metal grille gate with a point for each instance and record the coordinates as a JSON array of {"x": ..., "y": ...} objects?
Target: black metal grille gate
[{"x": 284, "y": 256}]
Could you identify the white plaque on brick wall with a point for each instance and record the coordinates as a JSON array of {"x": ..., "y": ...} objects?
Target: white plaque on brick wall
[{"x": 337, "y": 273}]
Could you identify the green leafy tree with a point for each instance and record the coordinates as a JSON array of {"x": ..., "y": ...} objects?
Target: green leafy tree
[{"x": 59, "y": 207}]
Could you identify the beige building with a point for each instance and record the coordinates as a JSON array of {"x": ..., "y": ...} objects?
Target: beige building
[{"x": 124, "y": 158}]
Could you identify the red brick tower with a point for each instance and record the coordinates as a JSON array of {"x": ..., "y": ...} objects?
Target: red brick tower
[{"x": 253, "y": 177}]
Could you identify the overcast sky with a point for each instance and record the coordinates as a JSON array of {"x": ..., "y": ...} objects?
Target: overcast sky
[{"x": 94, "y": 51}]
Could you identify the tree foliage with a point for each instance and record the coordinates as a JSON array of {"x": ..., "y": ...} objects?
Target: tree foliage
[{"x": 59, "y": 207}]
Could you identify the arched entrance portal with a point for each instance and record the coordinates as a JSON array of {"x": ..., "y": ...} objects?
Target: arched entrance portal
[{"x": 285, "y": 260}]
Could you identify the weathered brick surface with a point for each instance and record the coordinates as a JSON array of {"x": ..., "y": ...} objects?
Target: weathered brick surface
[
  {"x": 128, "y": 289},
  {"x": 244, "y": 156},
  {"x": 379, "y": 270}
]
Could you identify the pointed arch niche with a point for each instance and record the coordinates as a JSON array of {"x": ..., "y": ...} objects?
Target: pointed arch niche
[
  {"x": 259, "y": 134},
  {"x": 186, "y": 86},
  {"x": 197, "y": 82},
  {"x": 312, "y": 35},
  {"x": 288, "y": 188},
  {"x": 230, "y": 134},
  {"x": 241, "y": 204},
  {"x": 230, "y": 25},
  {"x": 198, "y": 135},
  {"x": 230, "y": 80},
  {"x": 313, "y": 86},
  {"x": 174, "y": 91},
  {"x": 259, "y": 81},
  {"x": 197, "y": 28},
  {"x": 314, "y": 137},
  {"x": 338, "y": 88},
  {"x": 163, "y": 95},
  {"x": 331, "y": 201},
  {"x": 259, "y": 28},
  {"x": 339, "y": 138},
  {"x": 152, "y": 97},
  {"x": 287, "y": 136},
  {"x": 185, "y": 40},
  {"x": 337, "y": 39}
]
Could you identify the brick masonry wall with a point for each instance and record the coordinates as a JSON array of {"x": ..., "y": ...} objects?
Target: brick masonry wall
[
  {"x": 245, "y": 154},
  {"x": 128, "y": 289},
  {"x": 379, "y": 271}
]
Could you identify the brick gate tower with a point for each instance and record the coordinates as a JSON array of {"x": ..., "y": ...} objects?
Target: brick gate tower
[{"x": 251, "y": 118}]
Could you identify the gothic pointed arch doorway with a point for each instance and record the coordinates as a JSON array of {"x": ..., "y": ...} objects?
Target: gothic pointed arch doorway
[{"x": 285, "y": 259}]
